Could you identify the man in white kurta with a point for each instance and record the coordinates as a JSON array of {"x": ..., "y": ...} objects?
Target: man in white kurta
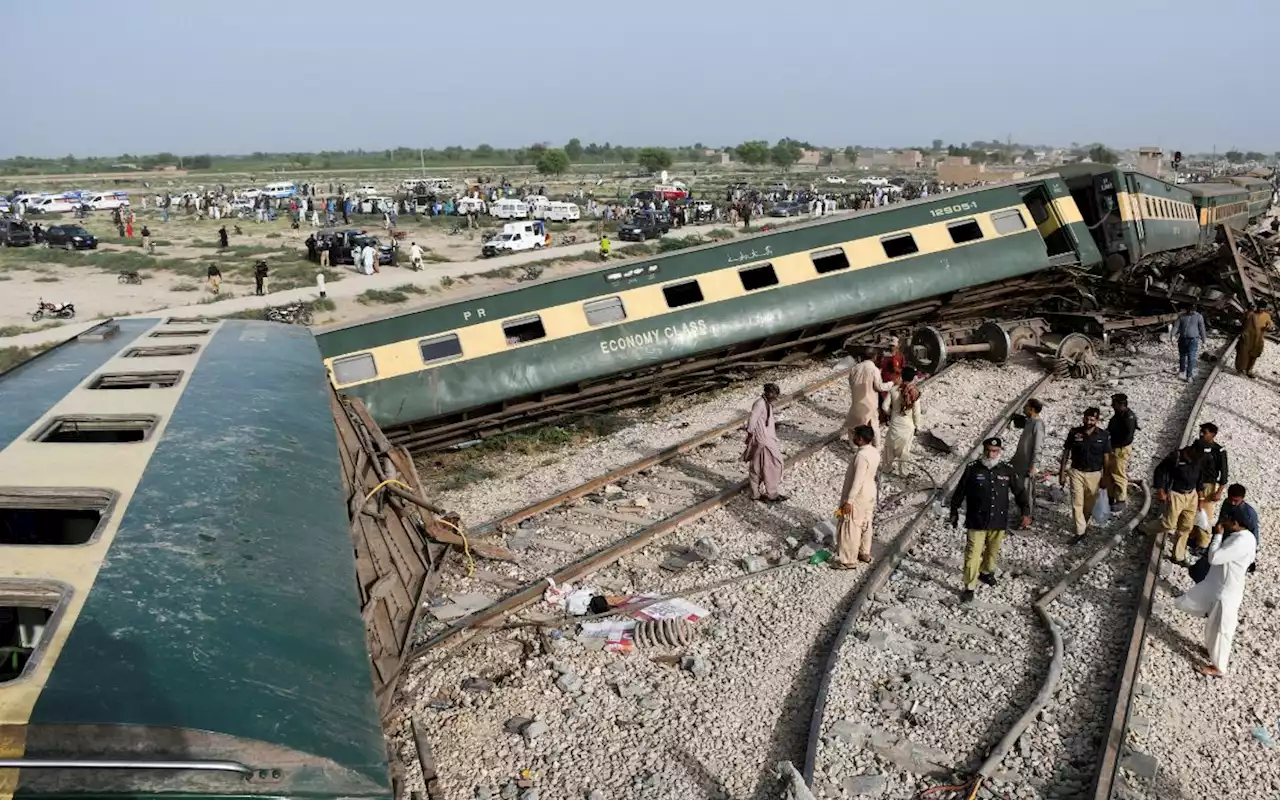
[
  {"x": 864, "y": 383},
  {"x": 903, "y": 407},
  {"x": 854, "y": 535},
  {"x": 1220, "y": 595}
]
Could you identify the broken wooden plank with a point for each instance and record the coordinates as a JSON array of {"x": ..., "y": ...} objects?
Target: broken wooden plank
[{"x": 481, "y": 549}]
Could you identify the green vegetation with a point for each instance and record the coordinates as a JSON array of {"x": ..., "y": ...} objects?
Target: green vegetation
[
  {"x": 720, "y": 234},
  {"x": 11, "y": 357},
  {"x": 654, "y": 159},
  {"x": 185, "y": 286},
  {"x": 409, "y": 288},
  {"x": 463, "y": 475},
  {"x": 371, "y": 296},
  {"x": 17, "y": 330},
  {"x": 668, "y": 244},
  {"x": 446, "y": 282},
  {"x": 553, "y": 162}
]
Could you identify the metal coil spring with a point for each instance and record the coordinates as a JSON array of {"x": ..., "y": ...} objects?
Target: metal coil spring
[{"x": 663, "y": 633}]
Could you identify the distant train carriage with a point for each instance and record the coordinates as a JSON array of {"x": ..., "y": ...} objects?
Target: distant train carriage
[
  {"x": 479, "y": 355},
  {"x": 1260, "y": 193},
  {"x": 178, "y": 610},
  {"x": 1130, "y": 215},
  {"x": 1219, "y": 204}
]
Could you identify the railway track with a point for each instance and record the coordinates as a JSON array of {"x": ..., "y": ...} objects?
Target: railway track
[
  {"x": 925, "y": 697},
  {"x": 697, "y": 510}
]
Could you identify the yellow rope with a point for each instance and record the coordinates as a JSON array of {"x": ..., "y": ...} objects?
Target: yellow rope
[
  {"x": 976, "y": 786},
  {"x": 466, "y": 547}
]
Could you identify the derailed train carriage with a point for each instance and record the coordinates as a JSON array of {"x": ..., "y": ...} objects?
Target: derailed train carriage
[
  {"x": 178, "y": 609},
  {"x": 622, "y": 333}
]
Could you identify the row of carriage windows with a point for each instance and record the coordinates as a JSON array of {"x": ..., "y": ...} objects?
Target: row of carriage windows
[
  {"x": 49, "y": 517},
  {"x": 1168, "y": 209},
  {"x": 1230, "y": 210},
  {"x": 607, "y": 310}
]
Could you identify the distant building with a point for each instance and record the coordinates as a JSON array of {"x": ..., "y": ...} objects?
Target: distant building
[
  {"x": 1150, "y": 160},
  {"x": 908, "y": 159},
  {"x": 810, "y": 158},
  {"x": 969, "y": 173}
]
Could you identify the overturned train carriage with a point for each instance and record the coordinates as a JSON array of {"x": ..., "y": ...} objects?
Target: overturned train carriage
[
  {"x": 470, "y": 366},
  {"x": 178, "y": 609}
]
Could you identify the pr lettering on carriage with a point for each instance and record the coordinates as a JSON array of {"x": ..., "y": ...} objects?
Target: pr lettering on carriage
[{"x": 656, "y": 336}]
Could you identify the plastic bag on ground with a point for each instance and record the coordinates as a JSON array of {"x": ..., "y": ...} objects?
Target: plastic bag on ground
[
  {"x": 1102, "y": 509},
  {"x": 1202, "y": 520}
]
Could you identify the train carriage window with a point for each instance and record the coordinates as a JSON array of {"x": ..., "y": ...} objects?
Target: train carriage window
[
  {"x": 354, "y": 368},
  {"x": 524, "y": 329},
  {"x": 100, "y": 429},
  {"x": 964, "y": 231},
  {"x": 760, "y": 277},
  {"x": 440, "y": 348},
  {"x": 604, "y": 311},
  {"x": 682, "y": 294},
  {"x": 136, "y": 380},
  {"x": 830, "y": 260},
  {"x": 28, "y": 610},
  {"x": 1010, "y": 221},
  {"x": 899, "y": 246},
  {"x": 58, "y": 517},
  {"x": 170, "y": 334},
  {"x": 161, "y": 351}
]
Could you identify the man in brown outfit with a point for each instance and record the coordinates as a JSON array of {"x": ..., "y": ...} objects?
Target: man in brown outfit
[
  {"x": 858, "y": 502},
  {"x": 1249, "y": 349},
  {"x": 763, "y": 452}
]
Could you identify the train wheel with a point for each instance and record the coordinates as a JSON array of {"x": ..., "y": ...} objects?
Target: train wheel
[
  {"x": 928, "y": 350},
  {"x": 1001, "y": 346}
]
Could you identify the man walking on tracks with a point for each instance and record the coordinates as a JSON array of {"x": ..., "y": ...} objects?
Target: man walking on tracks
[
  {"x": 1087, "y": 449},
  {"x": 1027, "y": 453},
  {"x": 763, "y": 453},
  {"x": 984, "y": 492},
  {"x": 1190, "y": 330},
  {"x": 215, "y": 278},
  {"x": 1121, "y": 428},
  {"x": 1249, "y": 349},
  {"x": 858, "y": 501},
  {"x": 864, "y": 383},
  {"x": 260, "y": 278},
  {"x": 1220, "y": 595},
  {"x": 1179, "y": 483}
]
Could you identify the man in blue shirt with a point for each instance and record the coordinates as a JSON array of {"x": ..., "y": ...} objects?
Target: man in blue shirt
[{"x": 1190, "y": 330}]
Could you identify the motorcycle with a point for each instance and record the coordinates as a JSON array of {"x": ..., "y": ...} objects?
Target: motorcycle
[
  {"x": 58, "y": 310},
  {"x": 130, "y": 277},
  {"x": 292, "y": 314}
]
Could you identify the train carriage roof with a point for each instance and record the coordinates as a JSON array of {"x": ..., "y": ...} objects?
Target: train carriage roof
[
  {"x": 212, "y": 616},
  {"x": 1250, "y": 181},
  {"x": 1215, "y": 190}
]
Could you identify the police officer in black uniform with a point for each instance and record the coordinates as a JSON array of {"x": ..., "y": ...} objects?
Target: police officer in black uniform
[
  {"x": 1216, "y": 478},
  {"x": 1087, "y": 450},
  {"x": 1121, "y": 428},
  {"x": 984, "y": 492}
]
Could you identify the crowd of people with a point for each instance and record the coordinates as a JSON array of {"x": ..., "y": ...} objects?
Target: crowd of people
[{"x": 1214, "y": 530}]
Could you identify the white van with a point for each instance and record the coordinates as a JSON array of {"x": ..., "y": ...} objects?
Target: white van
[
  {"x": 515, "y": 236},
  {"x": 509, "y": 209},
  {"x": 280, "y": 189},
  {"x": 51, "y": 205},
  {"x": 107, "y": 201},
  {"x": 557, "y": 211}
]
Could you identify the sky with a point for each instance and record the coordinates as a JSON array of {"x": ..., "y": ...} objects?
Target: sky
[{"x": 90, "y": 77}]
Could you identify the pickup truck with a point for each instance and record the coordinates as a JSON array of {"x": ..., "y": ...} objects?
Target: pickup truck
[{"x": 644, "y": 227}]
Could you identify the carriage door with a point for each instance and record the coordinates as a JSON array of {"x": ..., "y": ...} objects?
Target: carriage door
[{"x": 1058, "y": 241}]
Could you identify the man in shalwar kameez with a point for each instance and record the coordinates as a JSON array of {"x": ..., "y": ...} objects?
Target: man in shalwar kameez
[
  {"x": 763, "y": 452},
  {"x": 903, "y": 408},
  {"x": 1252, "y": 338},
  {"x": 864, "y": 402},
  {"x": 857, "y": 502},
  {"x": 1220, "y": 595}
]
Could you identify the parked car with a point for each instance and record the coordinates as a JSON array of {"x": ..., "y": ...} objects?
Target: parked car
[
  {"x": 348, "y": 239},
  {"x": 644, "y": 227},
  {"x": 15, "y": 234},
  {"x": 835, "y": 179},
  {"x": 72, "y": 237},
  {"x": 787, "y": 209}
]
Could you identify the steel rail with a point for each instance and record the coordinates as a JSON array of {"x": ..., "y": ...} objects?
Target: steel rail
[
  {"x": 1109, "y": 761},
  {"x": 885, "y": 567}
]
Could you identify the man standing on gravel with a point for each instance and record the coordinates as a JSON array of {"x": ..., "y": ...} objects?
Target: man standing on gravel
[
  {"x": 1189, "y": 328},
  {"x": 1216, "y": 475},
  {"x": 1121, "y": 428},
  {"x": 1027, "y": 453},
  {"x": 1179, "y": 483},
  {"x": 763, "y": 452},
  {"x": 1220, "y": 595},
  {"x": 984, "y": 492},
  {"x": 1252, "y": 337},
  {"x": 858, "y": 501},
  {"x": 903, "y": 408},
  {"x": 864, "y": 384},
  {"x": 1087, "y": 449}
]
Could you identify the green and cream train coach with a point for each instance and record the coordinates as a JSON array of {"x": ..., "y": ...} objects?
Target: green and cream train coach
[
  {"x": 467, "y": 355},
  {"x": 178, "y": 605}
]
